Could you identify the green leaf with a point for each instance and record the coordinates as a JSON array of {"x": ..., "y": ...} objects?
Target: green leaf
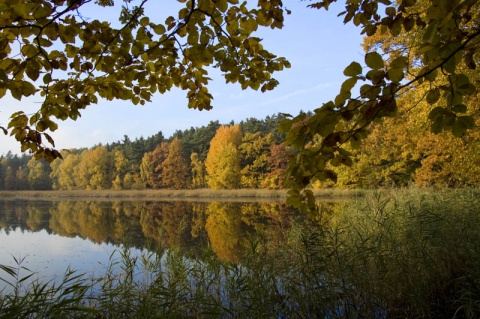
[
  {"x": 463, "y": 85},
  {"x": 355, "y": 142},
  {"x": 408, "y": 23},
  {"x": 341, "y": 98},
  {"x": 374, "y": 60},
  {"x": 433, "y": 96},
  {"x": 438, "y": 112},
  {"x": 353, "y": 69},
  {"x": 459, "y": 108},
  {"x": 41, "y": 125},
  {"x": 400, "y": 62},
  {"x": 466, "y": 121},
  {"x": 348, "y": 84},
  {"x": 431, "y": 75},
  {"x": 285, "y": 125},
  {"x": 35, "y": 117},
  {"x": 437, "y": 125},
  {"x": 18, "y": 119},
  {"x": 222, "y": 5},
  {"x": 461, "y": 125},
  {"x": 369, "y": 91},
  {"x": 47, "y": 78},
  {"x": 376, "y": 76},
  {"x": 395, "y": 75},
  {"x": 29, "y": 50},
  {"x": 159, "y": 29},
  {"x": 144, "y": 21},
  {"x": 450, "y": 65},
  {"x": 32, "y": 71}
]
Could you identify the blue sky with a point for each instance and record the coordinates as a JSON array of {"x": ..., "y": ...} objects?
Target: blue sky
[{"x": 317, "y": 43}]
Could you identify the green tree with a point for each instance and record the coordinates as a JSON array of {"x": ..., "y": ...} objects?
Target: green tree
[
  {"x": 197, "y": 140},
  {"x": 223, "y": 159},
  {"x": 15, "y": 171},
  {"x": 44, "y": 40},
  {"x": 2, "y": 174},
  {"x": 10, "y": 179},
  {"x": 21, "y": 178}
]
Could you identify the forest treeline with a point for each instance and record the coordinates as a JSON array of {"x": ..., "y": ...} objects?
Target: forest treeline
[{"x": 252, "y": 154}]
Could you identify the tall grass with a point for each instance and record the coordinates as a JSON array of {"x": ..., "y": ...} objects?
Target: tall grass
[
  {"x": 25, "y": 298},
  {"x": 400, "y": 255}
]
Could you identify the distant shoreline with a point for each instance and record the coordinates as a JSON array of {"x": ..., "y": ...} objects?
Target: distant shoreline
[{"x": 168, "y": 194}]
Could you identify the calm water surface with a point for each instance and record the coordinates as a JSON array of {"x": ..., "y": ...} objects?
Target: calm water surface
[{"x": 50, "y": 236}]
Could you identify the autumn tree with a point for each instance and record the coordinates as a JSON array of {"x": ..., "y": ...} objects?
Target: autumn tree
[
  {"x": 146, "y": 169},
  {"x": 152, "y": 165},
  {"x": 50, "y": 52},
  {"x": 277, "y": 166},
  {"x": 39, "y": 174},
  {"x": 175, "y": 169},
  {"x": 223, "y": 159},
  {"x": 445, "y": 160},
  {"x": 95, "y": 169},
  {"x": 120, "y": 164},
  {"x": 198, "y": 171},
  {"x": 255, "y": 150},
  {"x": 225, "y": 232},
  {"x": 64, "y": 171},
  {"x": 430, "y": 141},
  {"x": 448, "y": 161},
  {"x": 161, "y": 221},
  {"x": 424, "y": 43}
]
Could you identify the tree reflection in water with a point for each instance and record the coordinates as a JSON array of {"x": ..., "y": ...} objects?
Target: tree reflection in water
[{"x": 227, "y": 227}]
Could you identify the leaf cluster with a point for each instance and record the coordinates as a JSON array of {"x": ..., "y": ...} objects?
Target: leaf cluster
[
  {"x": 50, "y": 49},
  {"x": 416, "y": 43}
]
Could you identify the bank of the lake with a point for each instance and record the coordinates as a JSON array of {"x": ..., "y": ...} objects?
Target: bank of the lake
[{"x": 185, "y": 194}]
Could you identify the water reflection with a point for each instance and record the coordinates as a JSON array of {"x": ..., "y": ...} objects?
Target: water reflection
[{"x": 227, "y": 228}]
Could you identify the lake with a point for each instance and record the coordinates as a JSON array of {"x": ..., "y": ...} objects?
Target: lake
[
  {"x": 405, "y": 253},
  {"x": 48, "y": 237}
]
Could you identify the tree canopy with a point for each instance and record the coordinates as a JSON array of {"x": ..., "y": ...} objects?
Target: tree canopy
[
  {"x": 49, "y": 49},
  {"x": 429, "y": 46}
]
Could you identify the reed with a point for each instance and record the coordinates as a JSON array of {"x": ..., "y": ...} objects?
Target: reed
[{"x": 404, "y": 254}]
